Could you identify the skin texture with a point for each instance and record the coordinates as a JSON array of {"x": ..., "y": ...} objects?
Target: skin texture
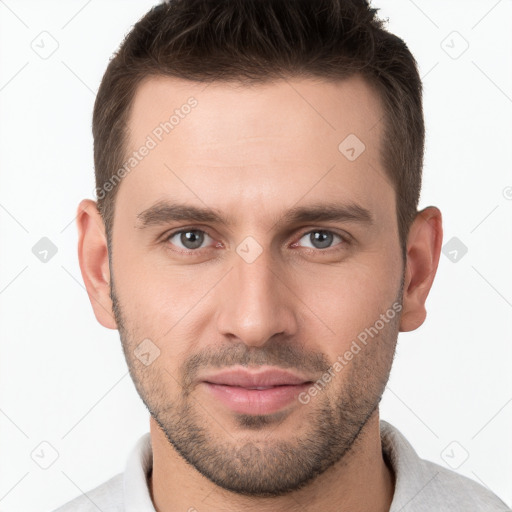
[{"x": 253, "y": 153}]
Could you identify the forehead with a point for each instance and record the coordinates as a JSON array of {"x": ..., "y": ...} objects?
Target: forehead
[
  {"x": 227, "y": 111},
  {"x": 225, "y": 142}
]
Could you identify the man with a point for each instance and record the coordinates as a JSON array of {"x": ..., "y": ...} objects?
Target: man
[{"x": 256, "y": 242}]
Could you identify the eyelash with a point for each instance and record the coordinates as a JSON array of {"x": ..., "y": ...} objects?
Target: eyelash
[{"x": 345, "y": 241}]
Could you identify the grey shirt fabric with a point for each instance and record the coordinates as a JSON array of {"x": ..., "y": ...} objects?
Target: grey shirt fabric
[{"x": 420, "y": 485}]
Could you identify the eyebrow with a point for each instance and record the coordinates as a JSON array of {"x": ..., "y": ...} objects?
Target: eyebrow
[{"x": 164, "y": 212}]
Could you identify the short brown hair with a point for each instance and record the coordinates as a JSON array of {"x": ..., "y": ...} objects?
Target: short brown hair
[{"x": 259, "y": 41}]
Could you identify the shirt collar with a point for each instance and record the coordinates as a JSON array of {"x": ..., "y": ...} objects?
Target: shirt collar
[
  {"x": 412, "y": 474},
  {"x": 137, "y": 496}
]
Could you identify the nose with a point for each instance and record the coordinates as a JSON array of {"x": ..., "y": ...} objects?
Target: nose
[{"x": 257, "y": 301}]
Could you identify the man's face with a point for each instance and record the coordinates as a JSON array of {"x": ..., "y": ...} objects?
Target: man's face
[{"x": 263, "y": 290}]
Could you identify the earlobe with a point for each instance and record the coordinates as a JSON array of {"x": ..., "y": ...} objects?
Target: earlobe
[
  {"x": 423, "y": 251},
  {"x": 94, "y": 264}
]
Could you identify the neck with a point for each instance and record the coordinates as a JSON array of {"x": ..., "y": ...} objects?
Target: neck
[{"x": 361, "y": 481}]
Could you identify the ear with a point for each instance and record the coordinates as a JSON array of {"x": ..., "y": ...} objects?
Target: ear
[
  {"x": 423, "y": 251},
  {"x": 93, "y": 258}
]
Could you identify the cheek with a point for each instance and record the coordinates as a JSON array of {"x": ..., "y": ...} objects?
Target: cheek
[
  {"x": 150, "y": 291},
  {"x": 343, "y": 302},
  {"x": 165, "y": 304}
]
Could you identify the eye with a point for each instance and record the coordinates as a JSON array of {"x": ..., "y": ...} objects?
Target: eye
[
  {"x": 322, "y": 239},
  {"x": 190, "y": 239},
  {"x": 193, "y": 240}
]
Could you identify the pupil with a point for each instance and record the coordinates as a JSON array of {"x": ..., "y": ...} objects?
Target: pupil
[
  {"x": 323, "y": 238},
  {"x": 191, "y": 240}
]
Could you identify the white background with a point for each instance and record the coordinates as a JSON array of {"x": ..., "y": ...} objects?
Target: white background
[{"x": 63, "y": 378}]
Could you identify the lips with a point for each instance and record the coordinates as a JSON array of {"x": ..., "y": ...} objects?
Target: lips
[
  {"x": 262, "y": 379},
  {"x": 255, "y": 392}
]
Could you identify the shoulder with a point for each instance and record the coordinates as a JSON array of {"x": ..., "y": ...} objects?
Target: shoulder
[
  {"x": 423, "y": 486},
  {"x": 127, "y": 490},
  {"x": 453, "y": 492},
  {"x": 107, "y": 497}
]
